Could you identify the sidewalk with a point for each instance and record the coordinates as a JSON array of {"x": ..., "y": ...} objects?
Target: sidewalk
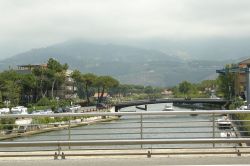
[{"x": 141, "y": 161}]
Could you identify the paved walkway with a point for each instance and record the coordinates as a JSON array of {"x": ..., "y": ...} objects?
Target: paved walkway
[{"x": 141, "y": 161}]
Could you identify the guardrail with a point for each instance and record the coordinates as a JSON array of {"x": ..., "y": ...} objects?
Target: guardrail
[{"x": 165, "y": 130}]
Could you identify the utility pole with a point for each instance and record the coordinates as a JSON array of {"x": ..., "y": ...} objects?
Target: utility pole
[{"x": 248, "y": 86}]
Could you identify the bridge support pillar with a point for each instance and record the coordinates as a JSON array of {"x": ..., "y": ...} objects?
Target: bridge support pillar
[
  {"x": 116, "y": 109},
  {"x": 141, "y": 108}
]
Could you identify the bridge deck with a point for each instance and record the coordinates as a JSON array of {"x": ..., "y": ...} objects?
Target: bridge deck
[{"x": 173, "y": 100}]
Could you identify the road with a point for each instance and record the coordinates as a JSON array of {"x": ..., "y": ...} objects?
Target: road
[{"x": 141, "y": 161}]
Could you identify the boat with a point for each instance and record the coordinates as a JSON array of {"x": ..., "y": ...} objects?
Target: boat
[
  {"x": 228, "y": 134},
  {"x": 193, "y": 113},
  {"x": 168, "y": 107},
  {"x": 226, "y": 127},
  {"x": 224, "y": 123}
]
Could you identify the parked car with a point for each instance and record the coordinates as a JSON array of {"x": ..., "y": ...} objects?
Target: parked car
[
  {"x": 4, "y": 110},
  {"x": 19, "y": 110},
  {"x": 74, "y": 108},
  {"x": 42, "y": 112},
  {"x": 37, "y": 112},
  {"x": 59, "y": 110}
]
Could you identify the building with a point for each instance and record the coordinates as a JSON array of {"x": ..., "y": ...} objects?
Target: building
[
  {"x": 240, "y": 81},
  {"x": 27, "y": 69},
  {"x": 167, "y": 93},
  {"x": 105, "y": 95},
  {"x": 67, "y": 90}
]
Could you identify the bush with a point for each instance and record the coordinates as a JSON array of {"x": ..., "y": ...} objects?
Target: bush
[
  {"x": 63, "y": 103},
  {"x": 7, "y": 124},
  {"x": 43, "y": 102},
  {"x": 236, "y": 103}
]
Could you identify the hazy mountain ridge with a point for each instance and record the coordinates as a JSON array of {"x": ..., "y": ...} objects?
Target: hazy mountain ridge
[
  {"x": 200, "y": 49},
  {"x": 128, "y": 64}
]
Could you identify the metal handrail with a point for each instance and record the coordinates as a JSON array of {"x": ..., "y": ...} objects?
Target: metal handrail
[
  {"x": 123, "y": 142},
  {"x": 126, "y": 113},
  {"x": 145, "y": 130}
]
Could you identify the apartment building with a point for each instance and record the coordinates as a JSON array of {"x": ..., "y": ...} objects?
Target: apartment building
[{"x": 240, "y": 81}]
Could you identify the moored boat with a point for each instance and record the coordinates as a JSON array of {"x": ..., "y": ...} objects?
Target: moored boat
[
  {"x": 224, "y": 123},
  {"x": 168, "y": 107}
]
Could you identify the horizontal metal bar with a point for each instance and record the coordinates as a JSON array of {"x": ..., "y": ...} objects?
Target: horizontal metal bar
[
  {"x": 123, "y": 142},
  {"x": 105, "y": 128},
  {"x": 128, "y": 113},
  {"x": 177, "y": 121},
  {"x": 178, "y": 127},
  {"x": 124, "y": 153}
]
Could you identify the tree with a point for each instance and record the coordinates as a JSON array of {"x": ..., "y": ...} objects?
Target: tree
[
  {"x": 56, "y": 73},
  {"x": 185, "y": 87},
  {"x": 103, "y": 83},
  {"x": 42, "y": 82},
  {"x": 77, "y": 77},
  {"x": 149, "y": 89},
  {"x": 10, "y": 86},
  {"x": 226, "y": 83},
  {"x": 28, "y": 87},
  {"x": 89, "y": 80}
]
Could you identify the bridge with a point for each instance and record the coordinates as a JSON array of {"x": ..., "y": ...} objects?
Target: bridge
[
  {"x": 142, "y": 135},
  {"x": 131, "y": 133},
  {"x": 222, "y": 102}
]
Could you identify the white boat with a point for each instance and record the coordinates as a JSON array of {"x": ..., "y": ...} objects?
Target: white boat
[
  {"x": 168, "y": 107},
  {"x": 224, "y": 123},
  {"x": 228, "y": 134}
]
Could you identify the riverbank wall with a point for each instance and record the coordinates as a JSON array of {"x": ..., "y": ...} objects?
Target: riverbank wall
[
  {"x": 59, "y": 126},
  {"x": 197, "y": 106}
]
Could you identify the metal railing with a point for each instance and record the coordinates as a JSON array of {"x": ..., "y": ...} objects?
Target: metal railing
[{"x": 165, "y": 130}]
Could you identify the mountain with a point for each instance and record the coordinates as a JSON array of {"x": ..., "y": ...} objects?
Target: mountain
[
  {"x": 127, "y": 64},
  {"x": 200, "y": 49}
]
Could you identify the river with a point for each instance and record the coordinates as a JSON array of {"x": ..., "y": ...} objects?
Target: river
[{"x": 128, "y": 127}]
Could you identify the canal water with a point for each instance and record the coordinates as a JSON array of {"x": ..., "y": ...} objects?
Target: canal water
[{"x": 129, "y": 127}]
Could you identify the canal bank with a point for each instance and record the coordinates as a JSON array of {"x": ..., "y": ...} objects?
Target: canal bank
[
  {"x": 59, "y": 126},
  {"x": 198, "y": 106}
]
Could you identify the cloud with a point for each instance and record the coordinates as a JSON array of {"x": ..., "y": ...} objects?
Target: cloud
[{"x": 43, "y": 22}]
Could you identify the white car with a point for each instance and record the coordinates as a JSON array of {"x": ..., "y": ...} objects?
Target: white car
[
  {"x": 19, "y": 110},
  {"x": 4, "y": 110},
  {"x": 74, "y": 108},
  {"x": 42, "y": 112}
]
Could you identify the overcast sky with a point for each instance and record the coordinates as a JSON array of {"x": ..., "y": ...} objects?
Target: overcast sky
[{"x": 27, "y": 24}]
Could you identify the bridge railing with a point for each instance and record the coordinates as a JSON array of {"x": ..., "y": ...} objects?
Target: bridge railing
[{"x": 165, "y": 130}]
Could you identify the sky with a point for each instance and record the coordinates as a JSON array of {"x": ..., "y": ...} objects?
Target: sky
[{"x": 27, "y": 24}]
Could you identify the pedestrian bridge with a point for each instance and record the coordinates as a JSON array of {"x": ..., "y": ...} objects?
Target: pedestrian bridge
[
  {"x": 171, "y": 100},
  {"x": 152, "y": 133}
]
